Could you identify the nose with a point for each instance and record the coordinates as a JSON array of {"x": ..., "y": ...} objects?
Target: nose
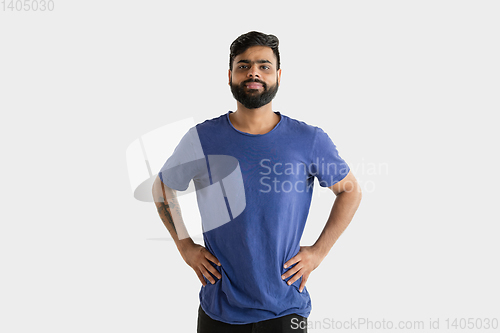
[{"x": 253, "y": 72}]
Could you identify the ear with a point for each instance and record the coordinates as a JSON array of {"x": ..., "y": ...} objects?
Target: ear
[
  {"x": 279, "y": 76},
  {"x": 229, "y": 77}
]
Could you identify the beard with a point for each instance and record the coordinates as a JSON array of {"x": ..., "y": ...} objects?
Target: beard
[{"x": 251, "y": 99}]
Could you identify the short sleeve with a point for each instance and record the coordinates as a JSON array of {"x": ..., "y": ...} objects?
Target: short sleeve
[
  {"x": 185, "y": 164},
  {"x": 325, "y": 161}
]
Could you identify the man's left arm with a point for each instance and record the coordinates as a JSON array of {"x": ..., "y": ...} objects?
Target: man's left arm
[{"x": 348, "y": 197}]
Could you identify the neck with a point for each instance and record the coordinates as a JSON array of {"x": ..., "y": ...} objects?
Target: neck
[{"x": 254, "y": 121}]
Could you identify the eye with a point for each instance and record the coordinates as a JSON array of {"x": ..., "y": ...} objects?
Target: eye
[
  {"x": 243, "y": 66},
  {"x": 264, "y": 67}
]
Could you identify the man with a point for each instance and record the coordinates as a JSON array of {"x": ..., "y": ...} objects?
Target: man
[{"x": 252, "y": 268}]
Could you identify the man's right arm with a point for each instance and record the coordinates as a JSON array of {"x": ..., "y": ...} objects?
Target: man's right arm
[
  {"x": 169, "y": 210},
  {"x": 195, "y": 255}
]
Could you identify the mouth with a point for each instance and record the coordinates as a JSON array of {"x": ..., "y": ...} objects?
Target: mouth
[{"x": 254, "y": 85}]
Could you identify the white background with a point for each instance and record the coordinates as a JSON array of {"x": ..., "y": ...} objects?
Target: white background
[{"x": 407, "y": 90}]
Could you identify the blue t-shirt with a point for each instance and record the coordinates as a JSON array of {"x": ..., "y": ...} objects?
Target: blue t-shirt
[{"x": 254, "y": 192}]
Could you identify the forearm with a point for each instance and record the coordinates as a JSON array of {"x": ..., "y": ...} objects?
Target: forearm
[
  {"x": 169, "y": 211},
  {"x": 344, "y": 207}
]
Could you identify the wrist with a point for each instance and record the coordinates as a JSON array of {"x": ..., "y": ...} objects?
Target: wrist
[
  {"x": 184, "y": 244},
  {"x": 320, "y": 251}
]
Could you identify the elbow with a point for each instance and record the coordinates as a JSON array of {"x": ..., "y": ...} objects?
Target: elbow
[
  {"x": 153, "y": 189},
  {"x": 156, "y": 190},
  {"x": 354, "y": 193},
  {"x": 359, "y": 196},
  {"x": 358, "y": 193}
]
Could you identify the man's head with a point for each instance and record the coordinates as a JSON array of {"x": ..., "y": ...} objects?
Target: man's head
[{"x": 254, "y": 69}]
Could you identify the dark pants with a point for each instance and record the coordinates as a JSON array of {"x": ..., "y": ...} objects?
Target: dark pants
[{"x": 277, "y": 325}]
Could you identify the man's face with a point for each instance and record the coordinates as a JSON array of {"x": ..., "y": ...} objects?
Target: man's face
[{"x": 254, "y": 79}]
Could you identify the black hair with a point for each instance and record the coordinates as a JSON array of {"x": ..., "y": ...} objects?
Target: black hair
[{"x": 253, "y": 38}]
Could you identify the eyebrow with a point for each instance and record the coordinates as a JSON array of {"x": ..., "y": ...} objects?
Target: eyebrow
[{"x": 262, "y": 61}]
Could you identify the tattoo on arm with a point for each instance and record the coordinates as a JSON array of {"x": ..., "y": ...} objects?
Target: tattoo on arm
[{"x": 165, "y": 215}]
